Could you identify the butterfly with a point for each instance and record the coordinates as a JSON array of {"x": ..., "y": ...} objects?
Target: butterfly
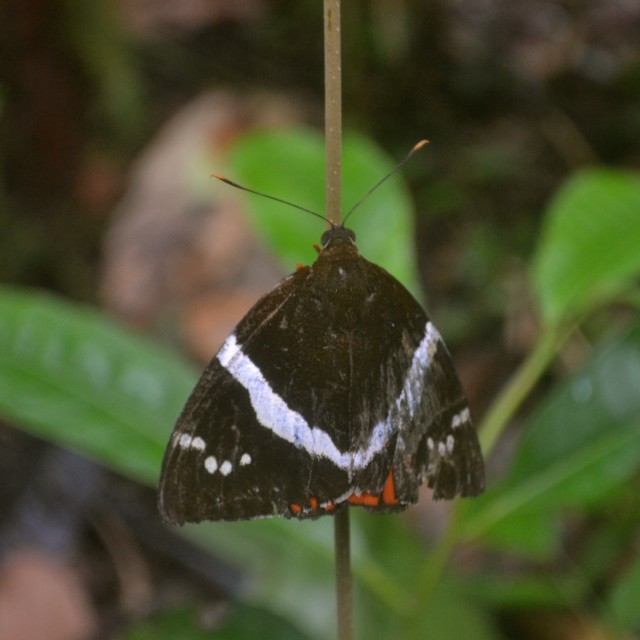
[{"x": 335, "y": 389}]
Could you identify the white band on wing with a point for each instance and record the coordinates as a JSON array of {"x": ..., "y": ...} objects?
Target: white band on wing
[{"x": 273, "y": 413}]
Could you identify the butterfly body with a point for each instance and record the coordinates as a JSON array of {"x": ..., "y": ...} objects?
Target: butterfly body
[{"x": 334, "y": 389}]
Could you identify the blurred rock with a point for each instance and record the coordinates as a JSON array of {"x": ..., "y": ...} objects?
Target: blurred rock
[
  {"x": 42, "y": 598},
  {"x": 179, "y": 237}
]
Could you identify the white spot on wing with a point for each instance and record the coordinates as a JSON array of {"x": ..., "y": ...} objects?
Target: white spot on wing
[
  {"x": 245, "y": 459},
  {"x": 211, "y": 464},
  {"x": 185, "y": 441},
  {"x": 198, "y": 443},
  {"x": 460, "y": 418},
  {"x": 225, "y": 468},
  {"x": 450, "y": 443}
]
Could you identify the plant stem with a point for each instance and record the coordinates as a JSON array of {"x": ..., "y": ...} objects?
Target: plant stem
[
  {"x": 333, "y": 210},
  {"x": 520, "y": 385},
  {"x": 333, "y": 110},
  {"x": 343, "y": 574},
  {"x": 499, "y": 415}
]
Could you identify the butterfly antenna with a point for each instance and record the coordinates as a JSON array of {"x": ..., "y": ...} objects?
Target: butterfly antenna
[
  {"x": 397, "y": 168},
  {"x": 265, "y": 195}
]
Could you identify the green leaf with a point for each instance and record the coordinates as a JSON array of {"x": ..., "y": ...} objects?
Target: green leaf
[
  {"x": 610, "y": 534},
  {"x": 452, "y": 614},
  {"x": 499, "y": 590},
  {"x": 290, "y": 165},
  {"x": 70, "y": 375},
  {"x": 623, "y": 601},
  {"x": 589, "y": 246},
  {"x": 579, "y": 448}
]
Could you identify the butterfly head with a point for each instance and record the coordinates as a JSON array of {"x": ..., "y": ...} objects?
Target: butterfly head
[{"x": 337, "y": 235}]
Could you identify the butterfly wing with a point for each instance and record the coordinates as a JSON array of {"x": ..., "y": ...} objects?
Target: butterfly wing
[
  {"x": 280, "y": 421},
  {"x": 221, "y": 464},
  {"x": 435, "y": 440},
  {"x": 311, "y": 405}
]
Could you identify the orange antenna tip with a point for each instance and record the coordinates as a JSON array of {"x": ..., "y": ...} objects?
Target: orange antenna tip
[
  {"x": 231, "y": 182},
  {"x": 416, "y": 147}
]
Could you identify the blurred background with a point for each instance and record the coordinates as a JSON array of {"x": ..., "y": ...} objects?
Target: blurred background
[{"x": 113, "y": 115}]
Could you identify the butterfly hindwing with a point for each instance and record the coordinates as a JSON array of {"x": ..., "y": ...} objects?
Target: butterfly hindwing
[{"x": 439, "y": 443}]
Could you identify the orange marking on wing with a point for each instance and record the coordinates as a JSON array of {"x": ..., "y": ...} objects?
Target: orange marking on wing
[
  {"x": 295, "y": 508},
  {"x": 299, "y": 265},
  {"x": 316, "y": 246},
  {"x": 365, "y": 499},
  {"x": 314, "y": 504},
  {"x": 389, "y": 490},
  {"x": 330, "y": 506}
]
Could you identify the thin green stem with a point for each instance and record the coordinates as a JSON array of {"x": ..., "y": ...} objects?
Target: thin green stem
[
  {"x": 502, "y": 411},
  {"x": 520, "y": 385}
]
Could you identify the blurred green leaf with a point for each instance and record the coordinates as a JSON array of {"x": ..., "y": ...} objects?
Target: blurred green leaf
[
  {"x": 241, "y": 622},
  {"x": 580, "y": 446},
  {"x": 527, "y": 591},
  {"x": 291, "y": 165},
  {"x": 70, "y": 375},
  {"x": 623, "y": 600},
  {"x": 610, "y": 535},
  {"x": 450, "y": 613},
  {"x": 588, "y": 249}
]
